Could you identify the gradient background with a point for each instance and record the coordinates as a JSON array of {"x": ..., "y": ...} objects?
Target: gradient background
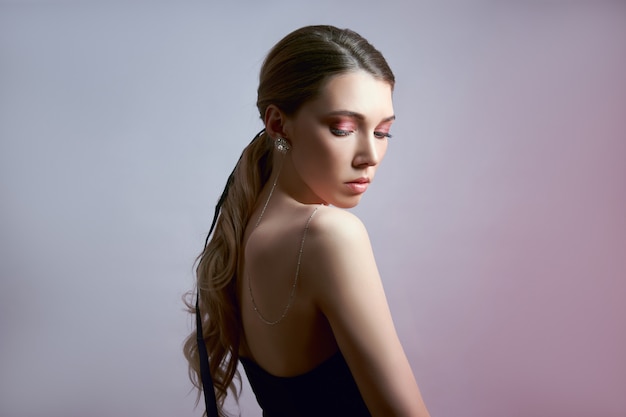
[{"x": 498, "y": 217}]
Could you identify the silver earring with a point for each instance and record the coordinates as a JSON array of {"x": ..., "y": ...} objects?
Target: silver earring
[{"x": 281, "y": 145}]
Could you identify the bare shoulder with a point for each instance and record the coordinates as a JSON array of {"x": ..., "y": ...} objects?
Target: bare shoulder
[
  {"x": 345, "y": 285},
  {"x": 338, "y": 250},
  {"x": 334, "y": 227},
  {"x": 339, "y": 254}
]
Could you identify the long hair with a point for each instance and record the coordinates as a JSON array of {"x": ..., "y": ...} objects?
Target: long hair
[{"x": 292, "y": 74}]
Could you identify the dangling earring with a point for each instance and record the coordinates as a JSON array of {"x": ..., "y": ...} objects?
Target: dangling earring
[{"x": 281, "y": 145}]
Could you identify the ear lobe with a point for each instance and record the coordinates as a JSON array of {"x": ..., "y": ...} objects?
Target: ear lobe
[{"x": 275, "y": 122}]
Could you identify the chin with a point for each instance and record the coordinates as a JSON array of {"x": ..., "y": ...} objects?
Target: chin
[{"x": 348, "y": 203}]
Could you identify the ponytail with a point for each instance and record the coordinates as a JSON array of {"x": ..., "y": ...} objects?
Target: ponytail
[{"x": 217, "y": 307}]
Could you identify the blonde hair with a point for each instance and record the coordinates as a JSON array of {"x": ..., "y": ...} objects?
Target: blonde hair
[{"x": 292, "y": 74}]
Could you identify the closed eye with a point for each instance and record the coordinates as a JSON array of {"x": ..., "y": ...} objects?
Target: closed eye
[
  {"x": 382, "y": 135},
  {"x": 341, "y": 132}
]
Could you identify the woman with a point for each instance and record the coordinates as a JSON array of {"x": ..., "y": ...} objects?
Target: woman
[{"x": 288, "y": 284}]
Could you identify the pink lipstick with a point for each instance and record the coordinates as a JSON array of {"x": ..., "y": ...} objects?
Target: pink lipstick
[{"x": 359, "y": 185}]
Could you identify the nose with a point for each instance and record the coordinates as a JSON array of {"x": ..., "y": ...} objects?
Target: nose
[{"x": 367, "y": 152}]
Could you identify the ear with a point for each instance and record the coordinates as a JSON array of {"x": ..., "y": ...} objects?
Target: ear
[{"x": 275, "y": 121}]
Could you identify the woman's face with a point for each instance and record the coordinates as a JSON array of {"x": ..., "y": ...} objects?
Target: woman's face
[{"x": 339, "y": 139}]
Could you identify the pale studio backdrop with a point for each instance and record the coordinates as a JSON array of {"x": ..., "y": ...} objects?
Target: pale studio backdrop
[{"x": 497, "y": 218}]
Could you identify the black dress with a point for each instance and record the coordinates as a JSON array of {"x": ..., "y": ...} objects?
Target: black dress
[{"x": 328, "y": 390}]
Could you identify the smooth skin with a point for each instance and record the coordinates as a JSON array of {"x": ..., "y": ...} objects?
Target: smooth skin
[{"x": 336, "y": 139}]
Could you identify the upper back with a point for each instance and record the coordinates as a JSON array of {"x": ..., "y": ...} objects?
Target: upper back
[{"x": 284, "y": 330}]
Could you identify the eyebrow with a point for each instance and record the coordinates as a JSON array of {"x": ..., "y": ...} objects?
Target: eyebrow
[{"x": 356, "y": 115}]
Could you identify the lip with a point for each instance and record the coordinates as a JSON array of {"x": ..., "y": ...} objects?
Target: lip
[{"x": 358, "y": 186}]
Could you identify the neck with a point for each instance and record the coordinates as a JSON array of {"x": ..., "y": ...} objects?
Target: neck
[{"x": 278, "y": 163}]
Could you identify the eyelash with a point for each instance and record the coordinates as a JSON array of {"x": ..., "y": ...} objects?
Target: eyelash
[{"x": 342, "y": 132}]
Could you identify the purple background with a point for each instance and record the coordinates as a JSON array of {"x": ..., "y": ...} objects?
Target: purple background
[{"x": 498, "y": 217}]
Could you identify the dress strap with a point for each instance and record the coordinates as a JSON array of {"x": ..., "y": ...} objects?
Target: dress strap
[{"x": 205, "y": 371}]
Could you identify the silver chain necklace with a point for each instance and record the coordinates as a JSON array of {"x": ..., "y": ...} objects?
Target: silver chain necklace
[{"x": 295, "y": 281}]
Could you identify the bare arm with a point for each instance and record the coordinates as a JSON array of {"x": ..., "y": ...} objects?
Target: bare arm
[{"x": 350, "y": 294}]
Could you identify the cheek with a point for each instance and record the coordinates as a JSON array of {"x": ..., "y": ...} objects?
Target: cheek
[
  {"x": 340, "y": 154},
  {"x": 315, "y": 156},
  {"x": 382, "y": 150}
]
